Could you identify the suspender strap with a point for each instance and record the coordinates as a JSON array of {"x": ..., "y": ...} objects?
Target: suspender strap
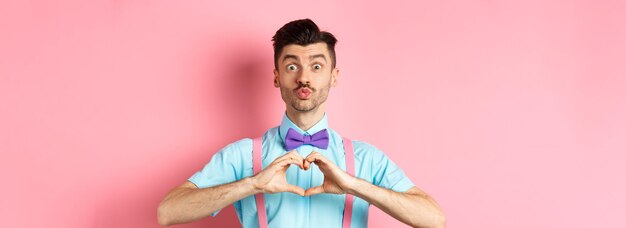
[
  {"x": 347, "y": 211},
  {"x": 257, "y": 165}
]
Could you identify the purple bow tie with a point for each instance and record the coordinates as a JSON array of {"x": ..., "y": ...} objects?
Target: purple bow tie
[{"x": 295, "y": 139}]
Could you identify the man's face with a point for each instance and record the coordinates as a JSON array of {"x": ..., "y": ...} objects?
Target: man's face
[{"x": 305, "y": 75}]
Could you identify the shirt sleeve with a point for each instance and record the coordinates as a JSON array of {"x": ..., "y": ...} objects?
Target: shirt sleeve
[
  {"x": 384, "y": 172},
  {"x": 224, "y": 167}
]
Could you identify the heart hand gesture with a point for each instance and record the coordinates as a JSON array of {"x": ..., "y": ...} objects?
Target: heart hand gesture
[
  {"x": 273, "y": 178},
  {"x": 336, "y": 181}
]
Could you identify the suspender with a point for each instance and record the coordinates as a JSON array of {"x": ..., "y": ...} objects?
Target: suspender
[
  {"x": 347, "y": 213},
  {"x": 257, "y": 167},
  {"x": 257, "y": 164}
]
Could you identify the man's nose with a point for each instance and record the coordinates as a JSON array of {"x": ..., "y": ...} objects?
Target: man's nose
[{"x": 304, "y": 77}]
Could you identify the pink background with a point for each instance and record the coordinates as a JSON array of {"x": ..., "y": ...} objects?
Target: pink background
[{"x": 510, "y": 113}]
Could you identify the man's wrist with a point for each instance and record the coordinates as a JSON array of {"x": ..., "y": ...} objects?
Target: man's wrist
[
  {"x": 250, "y": 183},
  {"x": 357, "y": 184}
]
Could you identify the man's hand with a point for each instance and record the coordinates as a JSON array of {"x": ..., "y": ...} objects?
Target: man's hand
[
  {"x": 336, "y": 181},
  {"x": 401, "y": 206},
  {"x": 273, "y": 178}
]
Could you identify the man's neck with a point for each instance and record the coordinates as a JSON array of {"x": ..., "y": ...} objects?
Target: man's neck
[{"x": 305, "y": 120}]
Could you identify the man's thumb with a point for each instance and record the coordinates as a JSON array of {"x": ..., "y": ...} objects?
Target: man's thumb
[
  {"x": 295, "y": 189},
  {"x": 314, "y": 190}
]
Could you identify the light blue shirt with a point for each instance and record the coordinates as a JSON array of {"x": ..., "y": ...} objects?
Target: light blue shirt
[{"x": 234, "y": 162}]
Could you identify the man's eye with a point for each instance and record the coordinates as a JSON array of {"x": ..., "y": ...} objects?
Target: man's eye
[
  {"x": 317, "y": 66},
  {"x": 292, "y": 67}
]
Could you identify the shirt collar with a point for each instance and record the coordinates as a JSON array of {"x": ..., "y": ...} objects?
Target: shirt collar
[{"x": 287, "y": 123}]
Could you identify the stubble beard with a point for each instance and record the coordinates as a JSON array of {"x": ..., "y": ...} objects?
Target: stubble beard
[{"x": 290, "y": 97}]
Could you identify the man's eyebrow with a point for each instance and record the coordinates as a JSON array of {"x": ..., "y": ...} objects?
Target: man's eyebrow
[
  {"x": 290, "y": 57},
  {"x": 311, "y": 57}
]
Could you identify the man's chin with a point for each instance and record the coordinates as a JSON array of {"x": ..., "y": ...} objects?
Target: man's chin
[{"x": 303, "y": 108}]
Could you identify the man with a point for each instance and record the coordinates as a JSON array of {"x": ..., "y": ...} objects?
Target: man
[{"x": 303, "y": 185}]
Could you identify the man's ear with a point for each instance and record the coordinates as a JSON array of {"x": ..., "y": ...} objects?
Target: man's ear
[
  {"x": 333, "y": 76},
  {"x": 276, "y": 80}
]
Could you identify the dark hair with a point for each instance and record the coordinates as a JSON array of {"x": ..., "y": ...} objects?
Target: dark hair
[{"x": 302, "y": 32}]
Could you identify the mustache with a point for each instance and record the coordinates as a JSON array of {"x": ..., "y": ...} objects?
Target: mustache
[{"x": 305, "y": 86}]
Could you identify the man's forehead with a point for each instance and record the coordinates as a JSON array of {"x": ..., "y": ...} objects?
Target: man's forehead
[{"x": 303, "y": 51}]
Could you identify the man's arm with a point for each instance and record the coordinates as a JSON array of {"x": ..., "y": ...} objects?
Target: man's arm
[
  {"x": 187, "y": 203},
  {"x": 413, "y": 207}
]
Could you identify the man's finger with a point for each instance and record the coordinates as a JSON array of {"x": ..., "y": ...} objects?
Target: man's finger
[
  {"x": 301, "y": 161},
  {"x": 298, "y": 161},
  {"x": 280, "y": 159},
  {"x": 292, "y": 156},
  {"x": 289, "y": 161},
  {"x": 315, "y": 157},
  {"x": 314, "y": 190},
  {"x": 289, "y": 154},
  {"x": 306, "y": 164},
  {"x": 295, "y": 189}
]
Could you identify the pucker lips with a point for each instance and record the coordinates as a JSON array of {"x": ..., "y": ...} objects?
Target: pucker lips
[{"x": 304, "y": 93}]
